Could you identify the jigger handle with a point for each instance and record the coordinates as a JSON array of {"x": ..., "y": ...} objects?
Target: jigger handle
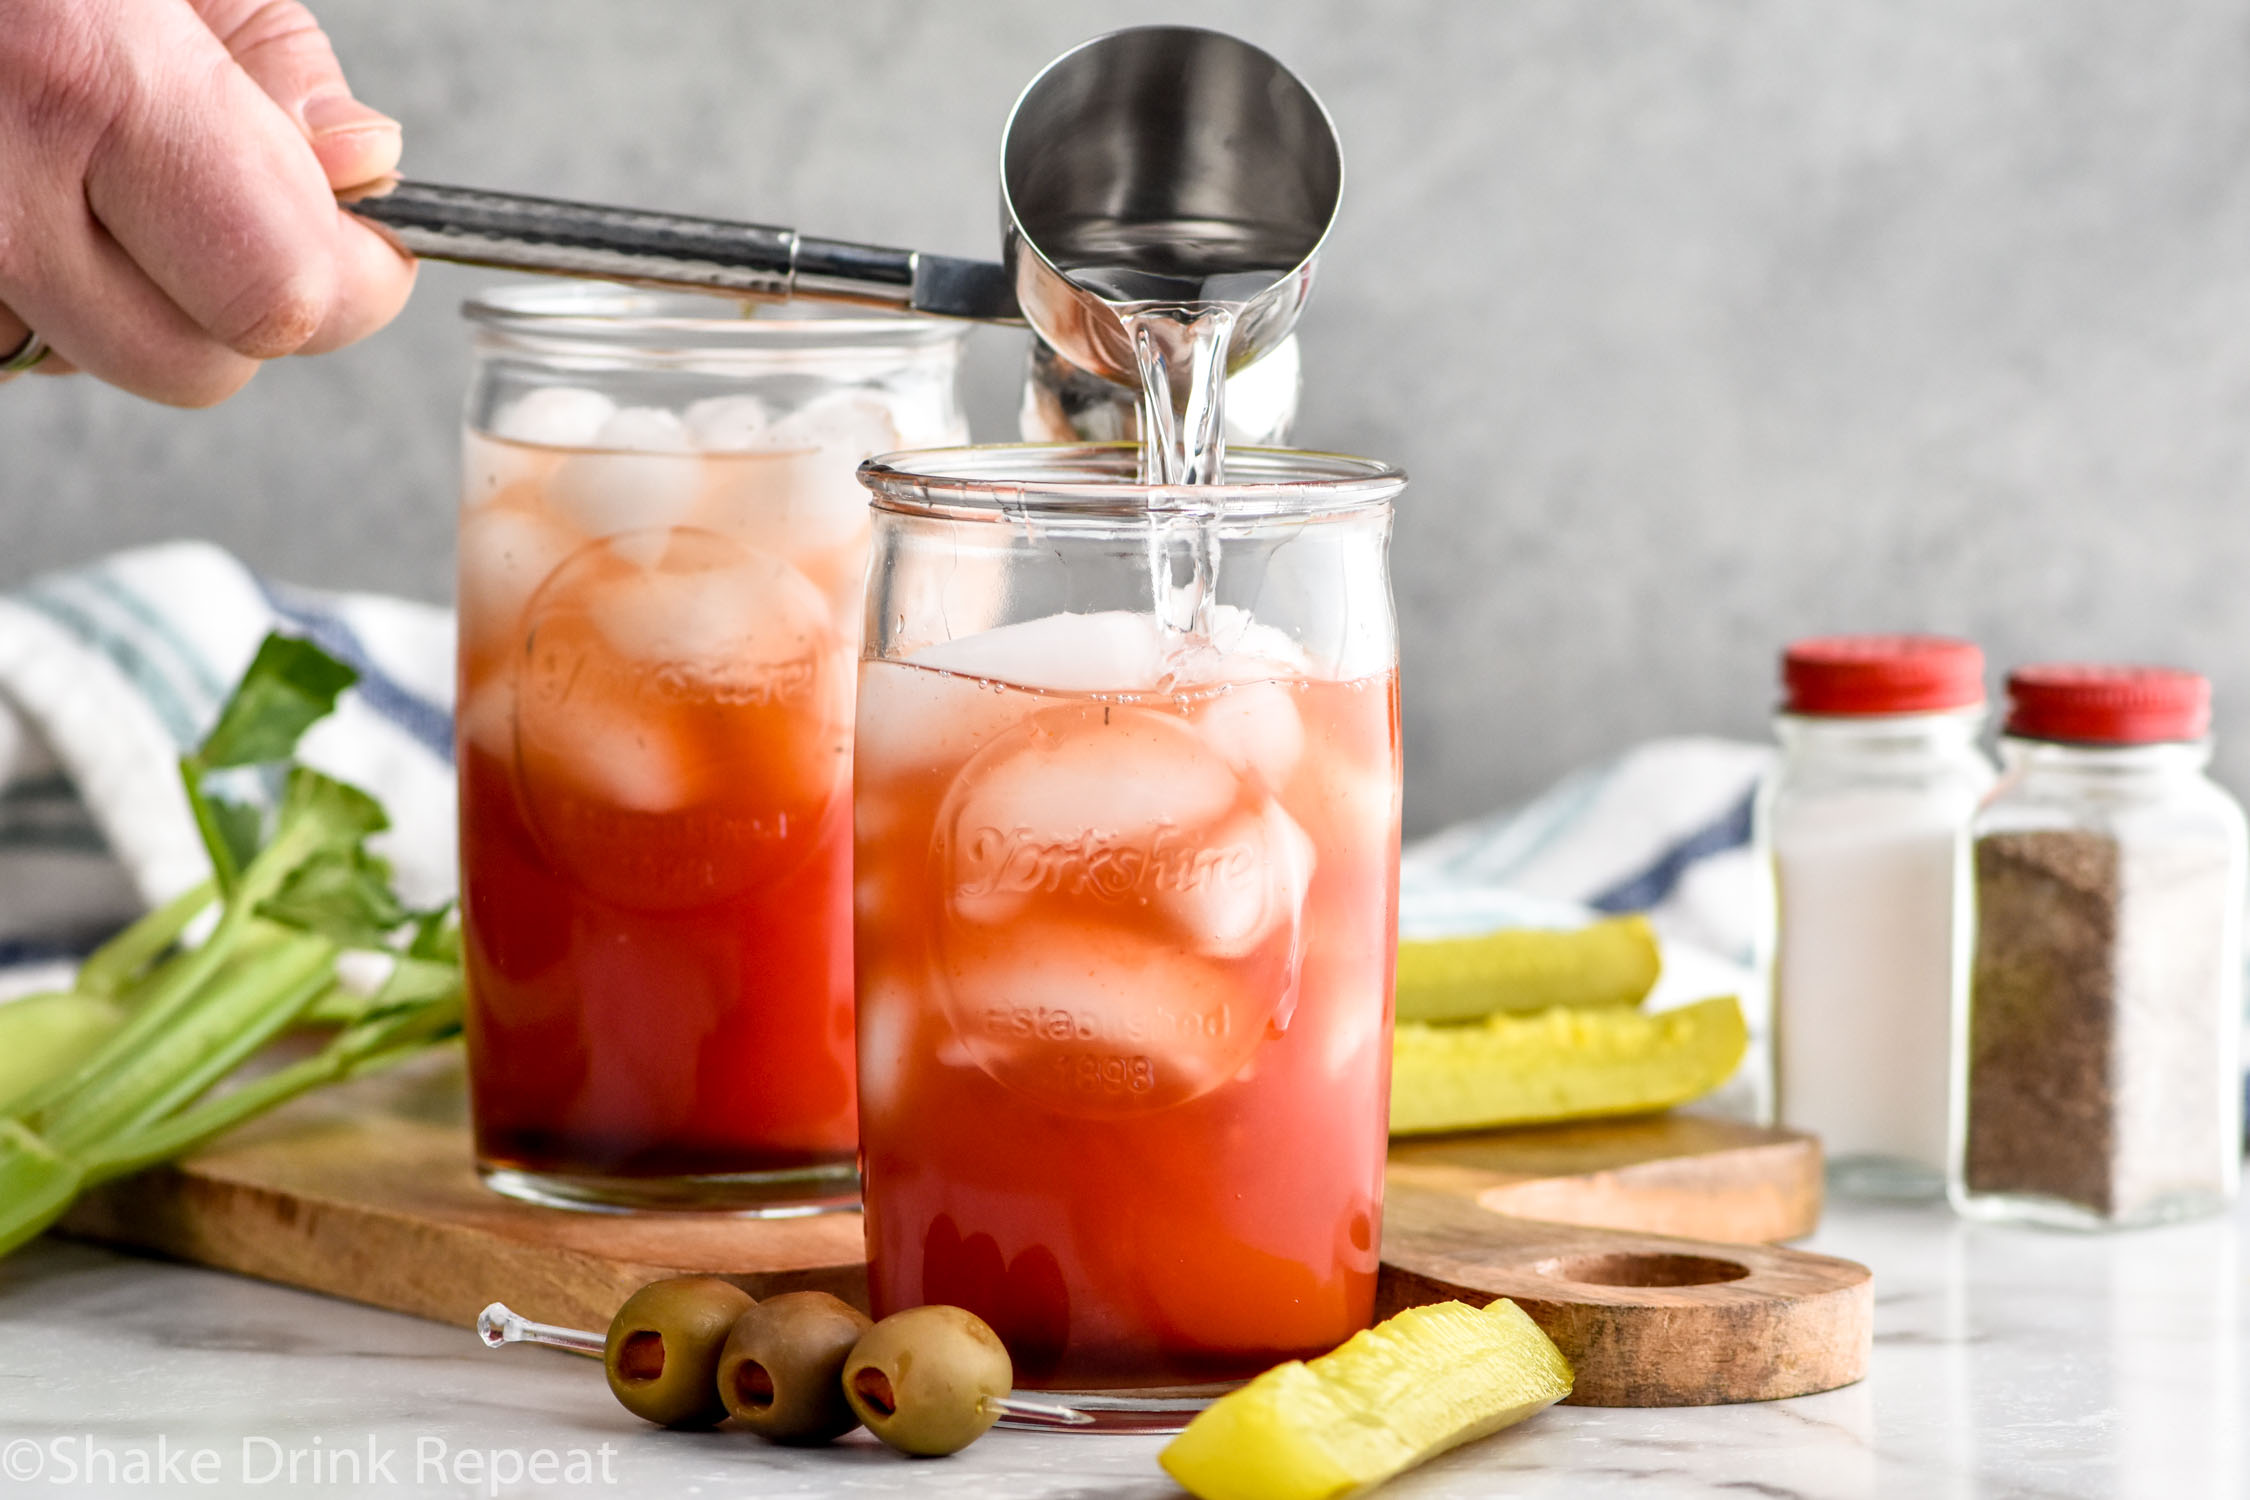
[{"x": 519, "y": 233}]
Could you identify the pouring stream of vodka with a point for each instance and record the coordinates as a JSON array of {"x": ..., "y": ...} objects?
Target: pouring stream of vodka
[{"x": 1179, "y": 290}]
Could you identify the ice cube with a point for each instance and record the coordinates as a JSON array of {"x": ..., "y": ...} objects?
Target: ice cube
[
  {"x": 646, "y": 476},
  {"x": 1112, "y": 651},
  {"x": 488, "y": 716},
  {"x": 1244, "y": 883},
  {"x": 1096, "y": 806},
  {"x": 494, "y": 472},
  {"x": 1244, "y": 649},
  {"x": 840, "y": 573},
  {"x": 645, "y": 429},
  {"x": 712, "y": 608},
  {"x": 913, "y": 723},
  {"x": 924, "y": 415},
  {"x": 556, "y": 416},
  {"x": 792, "y": 503},
  {"x": 729, "y": 424},
  {"x": 886, "y": 1032},
  {"x": 853, "y": 424},
  {"x": 1098, "y": 1022},
  {"x": 575, "y": 731},
  {"x": 1257, "y": 727},
  {"x": 505, "y": 555}
]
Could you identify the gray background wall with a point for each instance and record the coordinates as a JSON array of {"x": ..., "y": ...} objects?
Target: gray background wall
[{"x": 1700, "y": 325}]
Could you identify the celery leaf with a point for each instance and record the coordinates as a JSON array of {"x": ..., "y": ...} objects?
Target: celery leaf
[{"x": 289, "y": 686}]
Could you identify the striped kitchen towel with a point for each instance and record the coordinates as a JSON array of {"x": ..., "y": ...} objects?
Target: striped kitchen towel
[{"x": 108, "y": 672}]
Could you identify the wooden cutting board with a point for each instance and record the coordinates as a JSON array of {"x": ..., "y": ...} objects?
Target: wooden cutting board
[{"x": 367, "y": 1192}]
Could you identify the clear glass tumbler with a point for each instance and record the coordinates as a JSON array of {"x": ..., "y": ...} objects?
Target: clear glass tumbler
[
  {"x": 662, "y": 555},
  {"x": 1127, "y": 803}
]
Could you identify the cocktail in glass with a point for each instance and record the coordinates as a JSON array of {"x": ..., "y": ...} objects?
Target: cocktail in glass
[
  {"x": 1127, "y": 804},
  {"x": 662, "y": 556}
]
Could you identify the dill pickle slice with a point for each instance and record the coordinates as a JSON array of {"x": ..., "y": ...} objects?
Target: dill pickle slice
[
  {"x": 1399, "y": 1394},
  {"x": 1563, "y": 1064},
  {"x": 1521, "y": 969}
]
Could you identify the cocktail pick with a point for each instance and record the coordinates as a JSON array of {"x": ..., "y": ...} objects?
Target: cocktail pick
[{"x": 501, "y": 1324}]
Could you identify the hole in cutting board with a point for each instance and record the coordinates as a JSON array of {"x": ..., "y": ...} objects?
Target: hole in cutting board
[{"x": 1627, "y": 1268}]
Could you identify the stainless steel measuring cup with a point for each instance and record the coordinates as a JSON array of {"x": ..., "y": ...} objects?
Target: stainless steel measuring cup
[
  {"x": 1164, "y": 164},
  {"x": 1171, "y": 146}
]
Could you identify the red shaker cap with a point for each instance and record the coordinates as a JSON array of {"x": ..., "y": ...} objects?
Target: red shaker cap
[
  {"x": 2105, "y": 705},
  {"x": 1881, "y": 674}
]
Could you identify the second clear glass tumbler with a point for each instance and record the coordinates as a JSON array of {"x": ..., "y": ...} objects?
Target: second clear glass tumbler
[{"x": 662, "y": 558}]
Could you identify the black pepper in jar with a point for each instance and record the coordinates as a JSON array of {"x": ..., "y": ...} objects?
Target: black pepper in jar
[
  {"x": 2100, "y": 1078},
  {"x": 2042, "y": 1017}
]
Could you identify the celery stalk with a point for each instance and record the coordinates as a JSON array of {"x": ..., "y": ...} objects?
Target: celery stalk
[
  {"x": 42, "y": 1035},
  {"x": 246, "y": 1008},
  {"x": 115, "y": 963},
  {"x": 159, "y": 1031},
  {"x": 340, "y": 1059}
]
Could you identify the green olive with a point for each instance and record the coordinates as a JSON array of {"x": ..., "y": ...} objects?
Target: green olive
[
  {"x": 923, "y": 1380},
  {"x": 781, "y": 1373},
  {"x": 663, "y": 1350}
]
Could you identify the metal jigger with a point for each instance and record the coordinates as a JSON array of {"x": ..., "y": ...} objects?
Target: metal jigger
[
  {"x": 1166, "y": 136},
  {"x": 1157, "y": 132}
]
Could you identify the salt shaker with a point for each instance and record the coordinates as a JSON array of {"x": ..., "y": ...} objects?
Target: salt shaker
[
  {"x": 2100, "y": 1072},
  {"x": 1864, "y": 827}
]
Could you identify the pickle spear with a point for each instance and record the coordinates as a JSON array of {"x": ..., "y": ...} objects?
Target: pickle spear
[
  {"x": 1399, "y": 1394},
  {"x": 1562, "y": 1064},
  {"x": 1524, "y": 969}
]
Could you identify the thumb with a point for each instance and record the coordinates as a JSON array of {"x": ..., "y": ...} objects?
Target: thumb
[{"x": 283, "y": 49}]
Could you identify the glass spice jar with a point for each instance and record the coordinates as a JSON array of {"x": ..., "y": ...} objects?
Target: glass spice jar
[
  {"x": 1864, "y": 827},
  {"x": 2097, "y": 1067}
]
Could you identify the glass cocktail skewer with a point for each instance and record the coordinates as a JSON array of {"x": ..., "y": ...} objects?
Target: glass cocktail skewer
[{"x": 501, "y": 1324}]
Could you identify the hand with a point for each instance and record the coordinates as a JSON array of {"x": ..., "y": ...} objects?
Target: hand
[{"x": 167, "y": 192}]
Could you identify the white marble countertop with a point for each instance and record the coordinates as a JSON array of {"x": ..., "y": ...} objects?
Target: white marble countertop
[{"x": 2011, "y": 1363}]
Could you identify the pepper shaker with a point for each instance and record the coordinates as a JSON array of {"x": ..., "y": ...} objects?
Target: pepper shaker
[{"x": 2098, "y": 1076}]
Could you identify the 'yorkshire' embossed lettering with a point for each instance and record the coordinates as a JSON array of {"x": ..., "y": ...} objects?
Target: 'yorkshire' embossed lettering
[{"x": 1022, "y": 861}]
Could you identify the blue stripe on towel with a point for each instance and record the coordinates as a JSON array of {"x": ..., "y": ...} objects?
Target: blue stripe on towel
[
  {"x": 17, "y": 952},
  {"x": 201, "y": 680},
  {"x": 1730, "y": 830},
  {"x": 423, "y": 720},
  {"x": 45, "y": 813},
  {"x": 129, "y": 656}
]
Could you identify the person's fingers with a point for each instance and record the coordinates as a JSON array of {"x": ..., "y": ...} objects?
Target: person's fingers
[
  {"x": 164, "y": 221},
  {"x": 373, "y": 281},
  {"x": 100, "y": 314},
  {"x": 13, "y": 332},
  {"x": 208, "y": 186},
  {"x": 281, "y": 46},
  {"x": 67, "y": 70}
]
